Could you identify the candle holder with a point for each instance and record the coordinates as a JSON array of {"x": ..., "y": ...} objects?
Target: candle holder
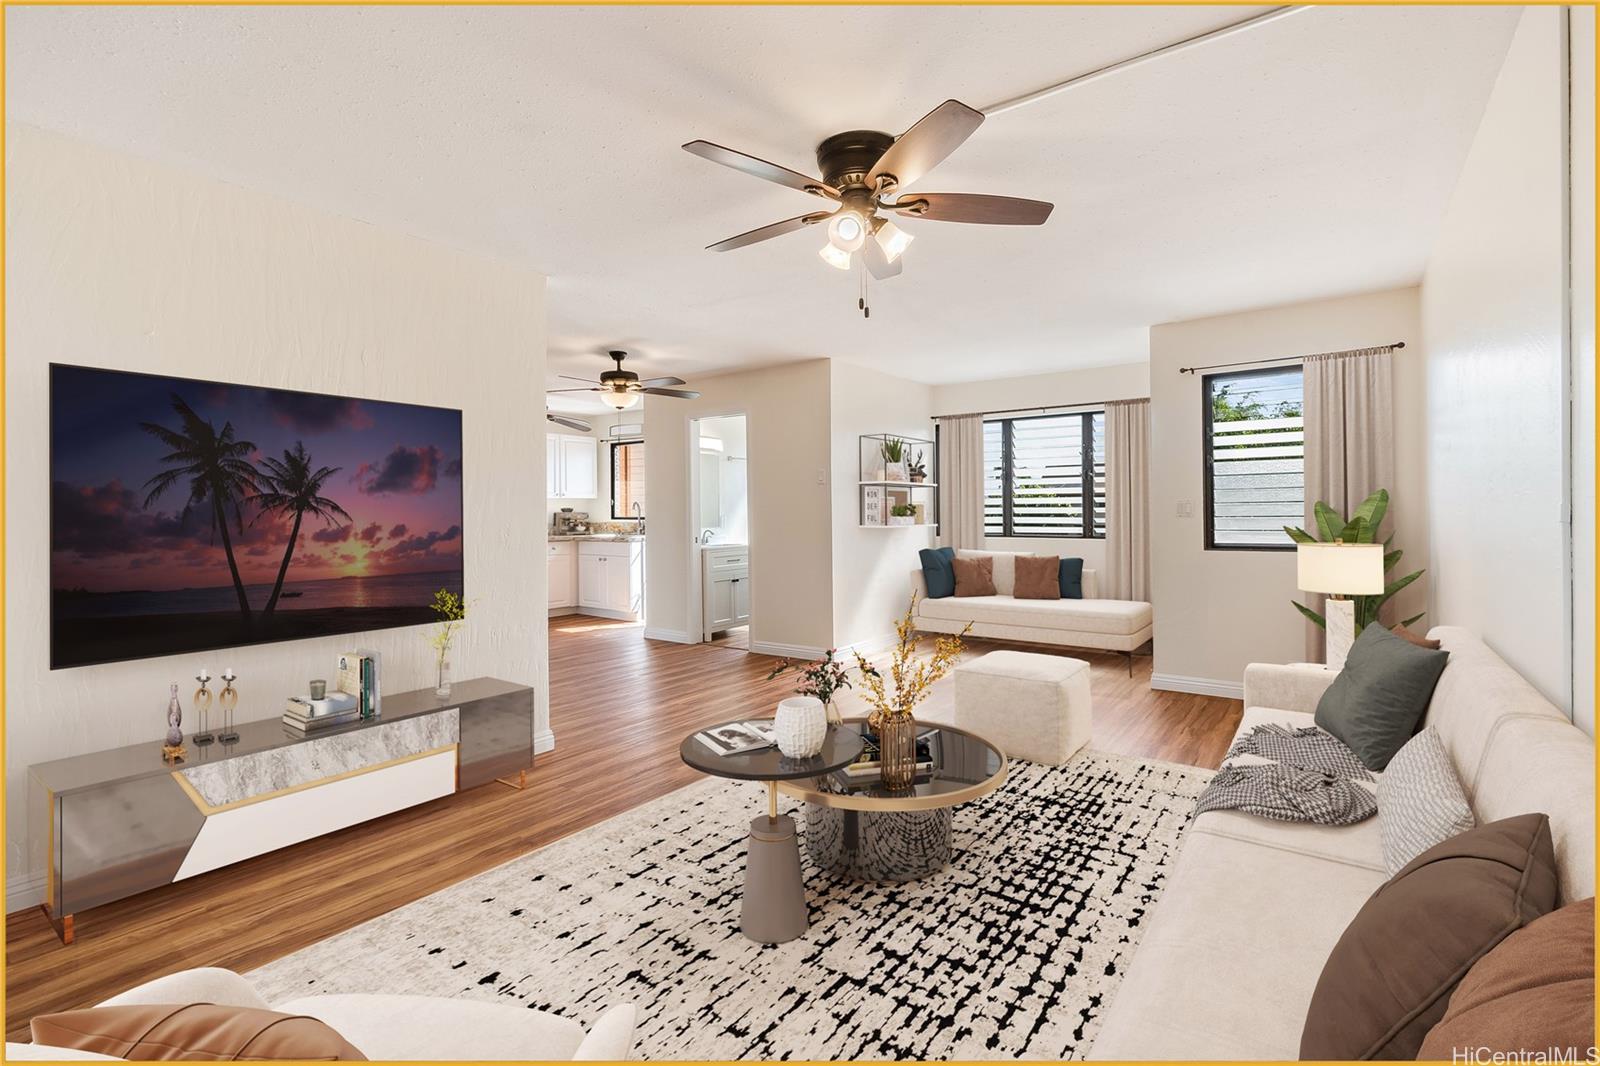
[
  {"x": 202, "y": 706},
  {"x": 227, "y": 701}
]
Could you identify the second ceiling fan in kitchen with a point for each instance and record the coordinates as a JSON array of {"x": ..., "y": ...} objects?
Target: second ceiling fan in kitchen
[{"x": 622, "y": 389}]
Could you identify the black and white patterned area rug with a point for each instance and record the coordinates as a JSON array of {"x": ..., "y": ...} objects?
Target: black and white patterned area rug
[{"x": 1013, "y": 951}]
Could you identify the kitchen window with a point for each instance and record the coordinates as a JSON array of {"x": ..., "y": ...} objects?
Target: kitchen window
[
  {"x": 1254, "y": 440},
  {"x": 627, "y": 478},
  {"x": 1045, "y": 476}
]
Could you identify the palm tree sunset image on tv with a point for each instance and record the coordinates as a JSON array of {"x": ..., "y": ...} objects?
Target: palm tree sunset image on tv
[{"x": 188, "y": 515}]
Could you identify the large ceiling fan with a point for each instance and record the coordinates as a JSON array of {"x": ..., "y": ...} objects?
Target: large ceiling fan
[
  {"x": 622, "y": 388},
  {"x": 865, "y": 172}
]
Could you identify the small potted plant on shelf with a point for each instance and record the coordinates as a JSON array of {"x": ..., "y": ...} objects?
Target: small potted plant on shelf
[
  {"x": 822, "y": 679},
  {"x": 902, "y": 514},
  {"x": 917, "y": 469},
  {"x": 893, "y": 450}
]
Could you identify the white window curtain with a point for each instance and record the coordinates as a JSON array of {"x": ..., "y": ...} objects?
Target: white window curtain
[
  {"x": 1128, "y": 500},
  {"x": 961, "y": 481},
  {"x": 1349, "y": 428}
]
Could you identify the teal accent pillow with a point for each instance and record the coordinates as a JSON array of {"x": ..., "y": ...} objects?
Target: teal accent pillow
[
  {"x": 1072, "y": 579},
  {"x": 937, "y": 572},
  {"x": 1377, "y": 700}
]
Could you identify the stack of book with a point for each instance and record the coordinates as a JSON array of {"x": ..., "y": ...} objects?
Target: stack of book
[
  {"x": 358, "y": 677},
  {"x": 308, "y": 715}
]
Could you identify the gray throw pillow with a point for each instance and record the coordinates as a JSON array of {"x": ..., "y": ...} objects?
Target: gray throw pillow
[
  {"x": 1377, "y": 700},
  {"x": 1420, "y": 802}
]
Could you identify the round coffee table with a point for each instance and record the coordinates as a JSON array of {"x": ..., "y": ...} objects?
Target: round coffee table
[
  {"x": 774, "y": 907},
  {"x": 857, "y": 827}
]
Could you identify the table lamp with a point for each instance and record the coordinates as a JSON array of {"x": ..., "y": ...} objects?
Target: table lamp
[{"x": 1341, "y": 570}]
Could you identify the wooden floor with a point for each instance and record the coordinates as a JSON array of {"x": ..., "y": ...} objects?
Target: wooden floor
[{"x": 620, "y": 705}]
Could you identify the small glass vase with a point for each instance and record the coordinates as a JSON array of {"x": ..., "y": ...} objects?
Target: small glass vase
[
  {"x": 897, "y": 749},
  {"x": 831, "y": 709},
  {"x": 442, "y": 689}
]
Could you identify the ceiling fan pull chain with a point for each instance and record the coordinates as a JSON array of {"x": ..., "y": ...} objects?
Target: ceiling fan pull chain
[{"x": 861, "y": 302}]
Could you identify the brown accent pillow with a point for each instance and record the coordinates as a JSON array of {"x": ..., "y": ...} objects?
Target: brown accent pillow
[
  {"x": 200, "y": 1032},
  {"x": 1534, "y": 991},
  {"x": 1417, "y": 639},
  {"x": 974, "y": 576},
  {"x": 1038, "y": 577},
  {"x": 1389, "y": 978}
]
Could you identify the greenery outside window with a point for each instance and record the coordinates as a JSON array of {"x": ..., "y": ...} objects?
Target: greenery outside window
[
  {"x": 1254, "y": 441},
  {"x": 627, "y": 478},
  {"x": 1045, "y": 476}
]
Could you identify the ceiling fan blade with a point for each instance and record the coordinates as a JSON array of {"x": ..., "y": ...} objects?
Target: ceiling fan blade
[
  {"x": 548, "y": 391},
  {"x": 974, "y": 207},
  {"x": 776, "y": 229},
  {"x": 570, "y": 423},
  {"x": 925, "y": 145},
  {"x": 587, "y": 381},
  {"x": 760, "y": 168},
  {"x": 878, "y": 264},
  {"x": 682, "y": 394},
  {"x": 656, "y": 383}
]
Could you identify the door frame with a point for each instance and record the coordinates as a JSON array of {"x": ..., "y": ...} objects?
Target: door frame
[{"x": 696, "y": 583}]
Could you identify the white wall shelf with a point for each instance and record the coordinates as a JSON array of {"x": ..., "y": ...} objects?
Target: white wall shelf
[{"x": 882, "y": 486}]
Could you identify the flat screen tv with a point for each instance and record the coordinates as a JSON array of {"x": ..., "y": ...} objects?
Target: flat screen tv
[{"x": 189, "y": 515}]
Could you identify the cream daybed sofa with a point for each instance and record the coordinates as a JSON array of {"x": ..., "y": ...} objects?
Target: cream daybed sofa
[
  {"x": 1091, "y": 623},
  {"x": 1252, "y": 907}
]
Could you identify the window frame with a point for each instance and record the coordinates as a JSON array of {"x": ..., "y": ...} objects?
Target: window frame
[
  {"x": 613, "y": 465},
  {"x": 1086, "y": 479},
  {"x": 1206, "y": 472}
]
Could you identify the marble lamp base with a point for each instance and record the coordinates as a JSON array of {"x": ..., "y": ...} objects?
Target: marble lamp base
[{"x": 1340, "y": 615}]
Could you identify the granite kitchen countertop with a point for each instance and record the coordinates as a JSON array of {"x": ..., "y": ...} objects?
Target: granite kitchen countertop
[{"x": 595, "y": 536}]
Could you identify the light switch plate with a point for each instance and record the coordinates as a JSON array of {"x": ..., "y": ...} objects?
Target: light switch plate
[{"x": 1185, "y": 508}]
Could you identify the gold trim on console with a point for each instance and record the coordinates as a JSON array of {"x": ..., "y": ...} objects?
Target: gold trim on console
[{"x": 207, "y": 809}]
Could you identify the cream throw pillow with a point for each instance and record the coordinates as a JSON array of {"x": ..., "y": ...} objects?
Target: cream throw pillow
[{"x": 1420, "y": 802}]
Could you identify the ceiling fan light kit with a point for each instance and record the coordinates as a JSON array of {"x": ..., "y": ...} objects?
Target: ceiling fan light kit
[
  {"x": 621, "y": 389},
  {"x": 864, "y": 172}
]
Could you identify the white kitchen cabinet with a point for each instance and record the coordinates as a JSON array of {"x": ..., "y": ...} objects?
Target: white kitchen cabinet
[
  {"x": 563, "y": 574},
  {"x": 611, "y": 578},
  {"x": 571, "y": 467},
  {"x": 725, "y": 589}
]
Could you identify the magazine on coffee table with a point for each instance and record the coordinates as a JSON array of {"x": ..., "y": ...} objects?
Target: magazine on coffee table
[{"x": 738, "y": 738}]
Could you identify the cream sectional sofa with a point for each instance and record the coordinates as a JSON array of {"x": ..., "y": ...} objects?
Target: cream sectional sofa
[
  {"x": 1252, "y": 907},
  {"x": 1101, "y": 625}
]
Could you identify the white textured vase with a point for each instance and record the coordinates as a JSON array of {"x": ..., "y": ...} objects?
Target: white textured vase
[{"x": 800, "y": 725}]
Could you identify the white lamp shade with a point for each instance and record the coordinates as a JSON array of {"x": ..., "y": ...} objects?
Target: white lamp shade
[{"x": 1341, "y": 569}]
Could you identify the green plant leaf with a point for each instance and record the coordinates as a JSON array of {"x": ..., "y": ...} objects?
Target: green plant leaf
[
  {"x": 1395, "y": 586},
  {"x": 1329, "y": 523},
  {"x": 1354, "y": 532},
  {"x": 1299, "y": 536},
  {"x": 1389, "y": 559},
  {"x": 1372, "y": 510},
  {"x": 1309, "y": 613},
  {"x": 1413, "y": 618}
]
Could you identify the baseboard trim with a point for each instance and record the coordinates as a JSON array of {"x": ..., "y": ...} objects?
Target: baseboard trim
[
  {"x": 1199, "y": 686},
  {"x": 786, "y": 651},
  {"x": 24, "y": 892},
  {"x": 675, "y": 636},
  {"x": 543, "y": 742}
]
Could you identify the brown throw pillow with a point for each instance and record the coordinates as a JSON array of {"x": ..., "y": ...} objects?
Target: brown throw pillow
[
  {"x": 1038, "y": 577},
  {"x": 1415, "y": 638},
  {"x": 194, "y": 1032},
  {"x": 1535, "y": 991},
  {"x": 974, "y": 576},
  {"x": 1390, "y": 976}
]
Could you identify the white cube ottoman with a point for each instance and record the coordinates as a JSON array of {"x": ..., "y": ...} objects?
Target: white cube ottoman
[{"x": 1034, "y": 707}]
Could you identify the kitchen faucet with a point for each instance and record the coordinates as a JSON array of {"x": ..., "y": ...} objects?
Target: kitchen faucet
[{"x": 638, "y": 513}]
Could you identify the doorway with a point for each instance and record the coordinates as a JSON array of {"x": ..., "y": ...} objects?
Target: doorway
[{"x": 720, "y": 510}]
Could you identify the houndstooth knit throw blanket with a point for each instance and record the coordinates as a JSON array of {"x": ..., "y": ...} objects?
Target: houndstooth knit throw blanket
[{"x": 1310, "y": 777}]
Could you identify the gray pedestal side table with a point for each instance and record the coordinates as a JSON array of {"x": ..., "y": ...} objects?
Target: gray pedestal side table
[{"x": 774, "y": 907}]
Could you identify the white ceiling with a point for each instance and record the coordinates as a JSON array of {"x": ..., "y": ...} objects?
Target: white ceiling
[{"x": 1309, "y": 157}]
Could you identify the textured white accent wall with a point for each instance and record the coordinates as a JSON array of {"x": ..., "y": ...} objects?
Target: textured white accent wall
[
  {"x": 1217, "y": 611},
  {"x": 113, "y": 261},
  {"x": 1494, "y": 318},
  {"x": 1581, "y": 45}
]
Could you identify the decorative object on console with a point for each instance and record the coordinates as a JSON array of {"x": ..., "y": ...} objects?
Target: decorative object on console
[
  {"x": 799, "y": 726},
  {"x": 822, "y": 679},
  {"x": 1460, "y": 899},
  {"x": 1362, "y": 528},
  {"x": 191, "y": 454},
  {"x": 202, "y": 707},
  {"x": 1420, "y": 802},
  {"x": 319, "y": 689},
  {"x": 451, "y": 609},
  {"x": 1341, "y": 570},
  {"x": 173, "y": 750},
  {"x": 227, "y": 700},
  {"x": 891, "y": 717},
  {"x": 1375, "y": 702},
  {"x": 359, "y": 677}
]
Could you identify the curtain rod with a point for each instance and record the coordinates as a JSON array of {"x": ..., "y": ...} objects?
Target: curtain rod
[
  {"x": 1283, "y": 358},
  {"x": 1045, "y": 409}
]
